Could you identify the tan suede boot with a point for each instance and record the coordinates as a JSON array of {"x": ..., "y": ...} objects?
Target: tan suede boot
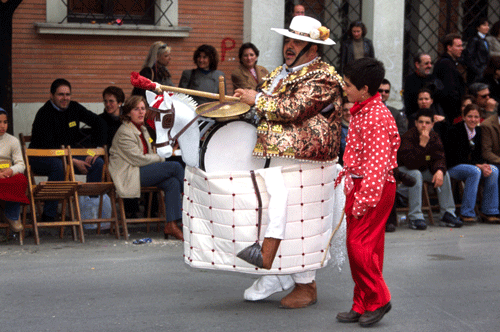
[
  {"x": 269, "y": 248},
  {"x": 303, "y": 295}
]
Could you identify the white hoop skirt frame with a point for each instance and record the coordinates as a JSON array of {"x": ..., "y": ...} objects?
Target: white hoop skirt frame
[{"x": 220, "y": 219}]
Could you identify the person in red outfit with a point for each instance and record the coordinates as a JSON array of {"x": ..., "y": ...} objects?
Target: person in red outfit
[{"x": 370, "y": 187}]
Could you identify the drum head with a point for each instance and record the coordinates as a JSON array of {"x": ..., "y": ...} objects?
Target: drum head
[{"x": 228, "y": 147}]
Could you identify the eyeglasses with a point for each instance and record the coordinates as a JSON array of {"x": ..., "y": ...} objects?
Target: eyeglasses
[
  {"x": 484, "y": 96},
  {"x": 163, "y": 46},
  {"x": 382, "y": 91}
]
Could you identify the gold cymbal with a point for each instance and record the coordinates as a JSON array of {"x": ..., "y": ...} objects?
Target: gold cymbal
[{"x": 226, "y": 109}]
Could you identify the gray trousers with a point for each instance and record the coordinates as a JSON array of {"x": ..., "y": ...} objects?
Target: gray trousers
[{"x": 444, "y": 193}]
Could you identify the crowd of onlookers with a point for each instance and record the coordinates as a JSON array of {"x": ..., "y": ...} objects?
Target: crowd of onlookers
[{"x": 449, "y": 128}]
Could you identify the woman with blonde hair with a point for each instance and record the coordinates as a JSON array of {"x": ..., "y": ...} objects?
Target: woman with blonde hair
[{"x": 155, "y": 66}]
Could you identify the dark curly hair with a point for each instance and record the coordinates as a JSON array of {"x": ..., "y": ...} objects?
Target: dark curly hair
[{"x": 210, "y": 52}]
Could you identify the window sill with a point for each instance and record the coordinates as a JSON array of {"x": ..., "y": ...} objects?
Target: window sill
[{"x": 111, "y": 30}]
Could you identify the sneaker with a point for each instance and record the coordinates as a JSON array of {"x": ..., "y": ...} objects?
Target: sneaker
[
  {"x": 450, "y": 220},
  {"x": 418, "y": 224}
]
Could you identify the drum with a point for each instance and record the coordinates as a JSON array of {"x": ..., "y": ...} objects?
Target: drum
[{"x": 228, "y": 147}]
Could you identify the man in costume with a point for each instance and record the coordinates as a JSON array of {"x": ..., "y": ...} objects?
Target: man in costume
[{"x": 300, "y": 110}]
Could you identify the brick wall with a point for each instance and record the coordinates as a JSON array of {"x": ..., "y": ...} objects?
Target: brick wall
[{"x": 91, "y": 63}]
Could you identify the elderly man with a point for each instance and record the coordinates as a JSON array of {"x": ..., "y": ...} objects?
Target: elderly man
[
  {"x": 446, "y": 70},
  {"x": 482, "y": 97},
  {"x": 297, "y": 125},
  {"x": 422, "y": 77}
]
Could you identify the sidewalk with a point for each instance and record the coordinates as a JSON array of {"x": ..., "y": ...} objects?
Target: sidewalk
[{"x": 441, "y": 279}]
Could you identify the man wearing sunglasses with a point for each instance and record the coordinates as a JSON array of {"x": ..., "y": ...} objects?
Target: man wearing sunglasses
[
  {"x": 385, "y": 92},
  {"x": 482, "y": 97}
]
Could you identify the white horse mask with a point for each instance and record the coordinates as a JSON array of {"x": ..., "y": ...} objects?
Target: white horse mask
[{"x": 179, "y": 111}]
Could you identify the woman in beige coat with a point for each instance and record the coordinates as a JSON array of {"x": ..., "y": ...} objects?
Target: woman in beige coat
[{"x": 133, "y": 164}]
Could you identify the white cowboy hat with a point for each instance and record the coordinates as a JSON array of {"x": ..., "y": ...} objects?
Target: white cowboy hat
[{"x": 308, "y": 29}]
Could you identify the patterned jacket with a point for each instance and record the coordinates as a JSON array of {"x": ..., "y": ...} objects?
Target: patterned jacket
[{"x": 291, "y": 124}]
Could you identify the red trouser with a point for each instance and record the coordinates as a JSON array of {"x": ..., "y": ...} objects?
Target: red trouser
[{"x": 365, "y": 247}]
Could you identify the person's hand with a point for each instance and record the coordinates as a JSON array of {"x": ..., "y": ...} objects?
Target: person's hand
[
  {"x": 82, "y": 165},
  {"x": 90, "y": 160},
  {"x": 437, "y": 179},
  {"x": 438, "y": 118},
  {"x": 485, "y": 169},
  {"x": 247, "y": 96},
  {"x": 424, "y": 137},
  {"x": 6, "y": 173},
  {"x": 491, "y": 105}
]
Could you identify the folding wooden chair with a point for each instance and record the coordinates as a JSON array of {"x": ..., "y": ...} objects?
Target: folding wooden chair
[
  {"x": 161, "y": 218},
  {"x": 65, "y": 191},
  {"x": 106, "y": 186}
]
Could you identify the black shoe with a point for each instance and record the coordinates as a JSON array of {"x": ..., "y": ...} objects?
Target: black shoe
[
  {"x": 348, "y": 317},
  {"x": 390, "y": 228},
  {"x": 371, "y": 317},
  {"x": 418, "y": 224},
  {"x": 450, "y": 220}
]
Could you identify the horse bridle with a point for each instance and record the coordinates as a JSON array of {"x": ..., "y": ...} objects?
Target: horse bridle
[{"x": 169, "y": 119}]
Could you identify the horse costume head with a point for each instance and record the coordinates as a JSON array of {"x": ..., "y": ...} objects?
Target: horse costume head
[{"x": 173, "y": 117}]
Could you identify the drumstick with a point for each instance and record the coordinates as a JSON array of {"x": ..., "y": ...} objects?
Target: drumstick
[
  {"x": 331, "y": 237},
  {"x": 142, "y": 82}
]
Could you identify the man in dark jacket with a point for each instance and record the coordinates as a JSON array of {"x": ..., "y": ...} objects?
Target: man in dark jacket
[
  {"x": 453, "y": 82},
  {"x": 421, "y": 78},
  {"x": 421, "y": 155},
  {"x": 477, "y": 53},
  {"x": 57, "y": 124}
]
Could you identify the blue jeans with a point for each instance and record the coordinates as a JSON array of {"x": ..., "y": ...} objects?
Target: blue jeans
[
  {"x": 168, "y": 176},
  {"x": 53, "y": 168},
  {"x": 472, "y": 175},
  {"x": 12, "y": 210},
  {"x": 445, "y": 196}
]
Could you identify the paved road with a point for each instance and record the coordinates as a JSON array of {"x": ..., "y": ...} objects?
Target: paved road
[{"x": 440, "y": 279}]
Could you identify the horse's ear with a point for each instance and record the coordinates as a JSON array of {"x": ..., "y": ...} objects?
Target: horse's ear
[
  {"x": 150, "y": 97},
  {"x": 167, "y": 100}
]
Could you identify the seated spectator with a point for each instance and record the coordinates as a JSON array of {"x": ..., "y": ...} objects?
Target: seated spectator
[
  {"x": 490, "y": 131},
  {"x": 491, "y": 77},
  {"x": 155, "y": 66},
  {"x": 13, "y": 183},
  {"x": 356, "y": 46},
  {"x": 421, "y": 78},
  {"x": 385, "y": 92},
  {"x": 425, "y": 101},
  {"x": 477, "y": 54},
  {"x": 133, "y": 164},
  {"x": 248, "y": 74},
  {"x": 344, "y": 127},
  {"x": 113, "y": 98},
  {"x": 494, "y": 39},
  {"x": 482, "y": 98},
  {"x": 206, "y": 76},
  {"x": 421, "y": 155},
  {"x": 466, "y": 100},
  {"x": 57, "y": 124},
  {"x": 465, "y": 163}
]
